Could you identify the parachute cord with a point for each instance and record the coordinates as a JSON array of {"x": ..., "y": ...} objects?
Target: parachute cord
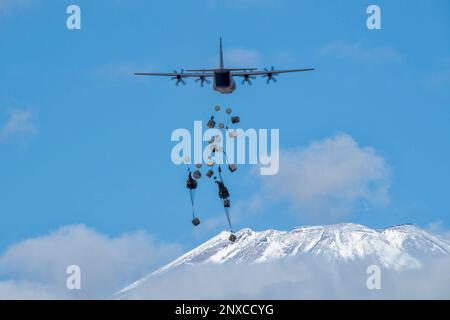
[
  {"x": 226, "y": 157},
  {"x": 227, "y": 212},
  {"x": 220, "y": 173},
  {"x": 226, "y": 123},
  {"x": 191, "y": 195}
]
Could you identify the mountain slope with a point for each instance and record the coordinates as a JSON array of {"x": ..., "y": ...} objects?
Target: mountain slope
[{"x": 397, "y": 247}]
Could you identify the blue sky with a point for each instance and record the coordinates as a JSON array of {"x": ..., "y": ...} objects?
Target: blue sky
[{"x": 93, "y": 142}]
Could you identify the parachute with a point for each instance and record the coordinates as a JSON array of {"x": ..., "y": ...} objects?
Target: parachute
[
  {"x": 194, "y": 177},
  {"x": 224, "y": 194},
  {"x": 211, "y": 123},
  {"x": 192, "y": 184}
]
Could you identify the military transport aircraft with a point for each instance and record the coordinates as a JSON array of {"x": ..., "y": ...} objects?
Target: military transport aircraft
[{"x": 223, "y": 77}]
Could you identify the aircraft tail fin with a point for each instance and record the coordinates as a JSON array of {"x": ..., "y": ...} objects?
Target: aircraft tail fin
[{"x": 221, "y": 54}]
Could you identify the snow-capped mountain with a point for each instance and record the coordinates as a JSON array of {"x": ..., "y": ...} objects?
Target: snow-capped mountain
[{"x": 395, "y": 248}]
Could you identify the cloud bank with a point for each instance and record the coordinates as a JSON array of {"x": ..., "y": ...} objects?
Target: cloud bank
[
  {"x": 327, "y": 179},
  {"x": 242, "y": 57},
  {"x": 357, "y": 51},
  {"x": 297, "y": 278},
  {"x": 36, "y": 268}
]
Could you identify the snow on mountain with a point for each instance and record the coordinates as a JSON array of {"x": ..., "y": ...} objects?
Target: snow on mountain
[{"x": 397, "y": 247}]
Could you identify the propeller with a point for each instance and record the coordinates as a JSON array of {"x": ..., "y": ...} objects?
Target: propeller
[
  {"x": 202, "y": 80},
  {"x": 247, "y": 79},
  {"x": 269, "y": 75},
  {"x": 178, "y": 76}
]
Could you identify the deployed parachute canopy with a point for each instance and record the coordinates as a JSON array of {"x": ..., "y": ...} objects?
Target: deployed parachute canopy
[{"x": 211, "y": 123}]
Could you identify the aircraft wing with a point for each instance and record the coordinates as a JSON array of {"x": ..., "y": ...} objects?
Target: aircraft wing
[
  {"x": 267, "y": 72},
  {"x": 175, "y": 74}
]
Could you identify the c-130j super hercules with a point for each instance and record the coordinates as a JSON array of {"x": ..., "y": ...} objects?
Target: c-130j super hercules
[{"x": 223, "y": 77}]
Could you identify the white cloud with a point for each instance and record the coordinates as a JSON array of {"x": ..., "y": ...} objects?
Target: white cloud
[
  {"x": 327, "y": 179},
  {"x": 440, "y": 78},
  {"x": 22, "y": 290},
  {"x": 297, "y": 278},
  {"x": 36, "y": 268},
  {"x": 122, "y": 70},
  {"x": 356, "y": 51},
  {"x": 242, "y": 57},
  {"x": 20, "y": 127},
  {"x": 8, "y": 5},
  {"x": 247, "y": 58},
  {"x": 438, "y": 228}
]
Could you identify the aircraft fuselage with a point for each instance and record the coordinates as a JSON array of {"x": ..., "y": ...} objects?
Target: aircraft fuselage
[{"x": 223, "y": 81}]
